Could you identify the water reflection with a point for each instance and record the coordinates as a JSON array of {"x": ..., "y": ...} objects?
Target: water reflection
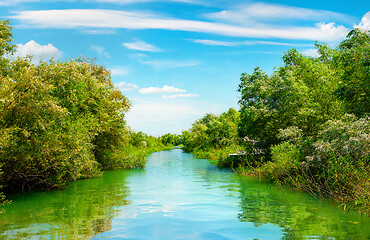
[
  {"x": 300, "y": 215},
  {"x": 177, "y": 197},
  {"x": 82, "y": 210}
]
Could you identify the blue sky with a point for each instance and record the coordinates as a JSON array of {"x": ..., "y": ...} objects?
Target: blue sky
[{"x": 178, "y": 59}]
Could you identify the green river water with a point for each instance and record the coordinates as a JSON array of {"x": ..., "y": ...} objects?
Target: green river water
[{"x": 176, "y": 197}]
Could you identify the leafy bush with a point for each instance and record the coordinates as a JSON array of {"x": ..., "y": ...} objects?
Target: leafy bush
[
  {"x": 171, "y": 139},
  {"x": 336, "y": 165},
  {"x": 213, "y": 131},
  {"x": 285, "y": 163},
  {"x": 339, "y": 164},
  {"x": 346, "y": 137}
]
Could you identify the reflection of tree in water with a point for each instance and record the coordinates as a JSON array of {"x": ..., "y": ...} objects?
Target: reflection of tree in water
[
  {"x": 298, "y": 214},
  {"x": 81, "y": 211},
  {"x": 219, "y": 178}
]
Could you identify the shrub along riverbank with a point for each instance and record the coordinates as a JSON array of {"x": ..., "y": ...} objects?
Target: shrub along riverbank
[
  {"x": 306, "y": 126},
  {"x": 61, "y": 121}
]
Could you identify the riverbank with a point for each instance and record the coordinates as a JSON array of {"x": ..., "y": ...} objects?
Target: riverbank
[
  {"x": 132, "y": 157},
  {"x": 348, "y": 184}
]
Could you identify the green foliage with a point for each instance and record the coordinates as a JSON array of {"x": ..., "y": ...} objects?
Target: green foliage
[
  {"x": 42, "y": 146},
  {"x": 59, "y": 121},
  {"x": 298, "y": 94},
  {"x": 353, "y": 63},
  {"x": 347, "y": 137},
  {"x": 213, "y": 131},
  {"x": 218, "y": 155},
  {"x": 335, "y": 165},
  {"x": 86, "y": 91},
  {"x": 285, "y": 162},
  {"x": 171, "y": 139},
  {"x": 133, "y": 153},
  {"x": 2, "y": 196},
  {"x": 6, "y": 37},
  {"x": 265, "y": 105},
  {"x": 295, "y": 123}
]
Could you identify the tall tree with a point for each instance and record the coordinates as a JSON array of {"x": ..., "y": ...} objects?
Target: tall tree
[{"x": 353, "y": 63}]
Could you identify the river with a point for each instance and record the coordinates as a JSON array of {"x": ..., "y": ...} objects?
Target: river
[{"x": 176, "y": 197}]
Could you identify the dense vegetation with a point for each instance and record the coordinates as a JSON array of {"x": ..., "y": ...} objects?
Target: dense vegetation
[
  {"x": 61, "y": 121},
  {"x": 212, "y": 136},
  {"x": 307, "y": 125}
]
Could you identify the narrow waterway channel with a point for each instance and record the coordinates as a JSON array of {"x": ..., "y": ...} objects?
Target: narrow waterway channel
[{"x": 176, "y": 197}]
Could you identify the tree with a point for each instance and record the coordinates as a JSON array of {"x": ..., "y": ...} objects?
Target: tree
[
  {"x": 301, "y": 94},
  {"x": 213, "y": 131},
  {"x": 59, "y": 121},
  {"x": 353, "y": 63}
]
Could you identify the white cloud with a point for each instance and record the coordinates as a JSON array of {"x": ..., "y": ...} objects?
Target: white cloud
[
  {"x": 246, "y": 14},
  {"x": 162, "y": 90},
  {"x": 119, "y": 71},
  {"x": 111, "y": 19},
  {"x": 121, "y": 2},
  {"x": 312, "y": 52},
  {"x": 14, "y": 2},
  {"x": 180, "y": 95},
  {"x": 331, "y": 31},
  {"x": 123, "y": 86},
  {"x": 39, "y": 52},
  {"x": 166, "y": 64},
  {"x": 98, "y": 31},
  {"x": 100, "y": 50},
  {"x": 365, "y": 22},
  {"x": 236, "y": 44},
  {"x": 143, "y": 1},
  {"x": 138, "y": 56},
  {"x": 142, "y": 46},
  {"x": 215, "y": 43}
]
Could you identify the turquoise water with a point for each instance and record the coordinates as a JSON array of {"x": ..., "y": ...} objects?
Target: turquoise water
[{"x": 176, "y": 197}]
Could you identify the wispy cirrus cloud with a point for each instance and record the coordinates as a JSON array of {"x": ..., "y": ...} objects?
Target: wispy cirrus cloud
[
  {"x": 14, "y": 2},
  {"x": 180, "y": 95},
  {"x": 161, "y": 90},
  {"x": 120, "y": 2},
  {"x": 142, "y": 46},
  {"x": 119, "y": 71},
  {"x": 245, "y": 14},
  {"x": 123, "y": 2},
  {"x": 98, "y": 31},
  {"x": 112, "y": 19},
  {"x": 100, "y": 50},
  {"x": 161, "y": 64},
  {"x": 247, "y": 43}
]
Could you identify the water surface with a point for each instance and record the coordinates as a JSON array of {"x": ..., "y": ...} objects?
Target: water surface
[{"x": 176, "y": 197}]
